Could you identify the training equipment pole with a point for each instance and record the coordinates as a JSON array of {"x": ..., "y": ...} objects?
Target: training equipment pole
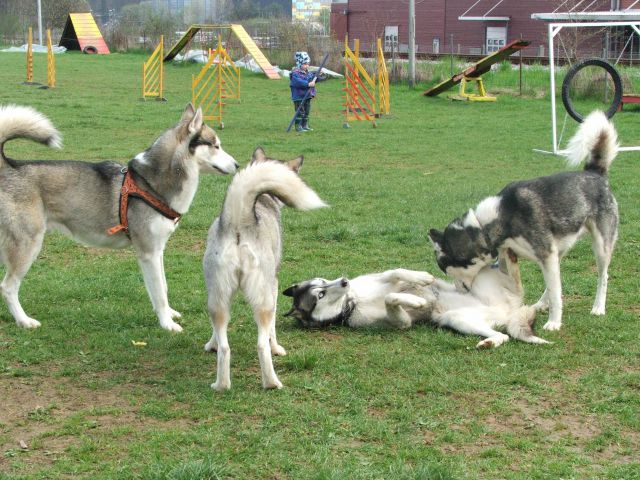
[{"x": 306, "y": 95}]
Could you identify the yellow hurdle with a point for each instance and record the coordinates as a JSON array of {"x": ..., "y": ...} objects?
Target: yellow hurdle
[
  {"x": 153, "y": 74},
  {"x": 360, "y": 88},
  {"x": 218, "y": 80},
  {"x": 384, "y": 105},
  {"x": 51, "y": 63}
]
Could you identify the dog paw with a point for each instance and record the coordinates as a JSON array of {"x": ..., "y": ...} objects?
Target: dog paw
[
  {"x": 272, "y": 384},
  {"x": 552, "y": 326},
  {"x": 211, "y": 346},
  {"x": 493, "y": 342},
  {"x": 598, "y": 311},
  {"x": 416, "y": 302},
  {"x": 171, "y": 326},
  {"x": 424, "y": 278},
  {"x": 28, "y": 323},
  {"x": 174, "y": 313},
  {"x": 221, "y": 386},
  {"x": 278, "y": 350}
]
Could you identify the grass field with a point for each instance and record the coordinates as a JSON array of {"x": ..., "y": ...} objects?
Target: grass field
[{"x": 369, "y": 404}]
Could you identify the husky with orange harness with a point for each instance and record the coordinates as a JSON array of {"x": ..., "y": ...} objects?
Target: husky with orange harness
[{"x": 101, "y": 204}]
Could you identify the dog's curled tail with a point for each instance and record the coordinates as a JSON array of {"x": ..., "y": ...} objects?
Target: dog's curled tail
[
  {"x": 597, "y": 141},
  {"x": 25, "y": 122},
  {"x": 272, "y": 177}
]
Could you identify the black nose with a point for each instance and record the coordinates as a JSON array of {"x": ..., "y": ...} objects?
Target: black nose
[
  {"x": 237, "y": 165},
  {"x": 344, "y": 282}
]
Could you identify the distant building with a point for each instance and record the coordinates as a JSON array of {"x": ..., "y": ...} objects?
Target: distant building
[
  {"x": 462, "y": 27},
  {"x": 308, "y": 10}
]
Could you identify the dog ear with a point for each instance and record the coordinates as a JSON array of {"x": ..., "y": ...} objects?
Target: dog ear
[
  {"x": 258, "y": 155},
  {"x": 436, "y": 237},
  {"x": 188, "y": 113},
  {"x": 195, "y": 125},
  {"x": 291, "y": 291},
  {"x": 296, "y": 164}
]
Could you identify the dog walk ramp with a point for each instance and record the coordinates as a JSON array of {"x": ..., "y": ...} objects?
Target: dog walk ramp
[
  {"x": 81, "y": 33},
  {"x": 242, "y": 35},
  {"x": 255, "y": 52}
]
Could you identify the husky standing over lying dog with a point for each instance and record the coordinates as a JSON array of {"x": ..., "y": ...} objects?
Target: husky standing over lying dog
[
  {"x": 244, "y": 247},
  {"x": 541, "y": 219},
  {"x": 401, "y": 298},
  {"x": 101, "y": 204}
]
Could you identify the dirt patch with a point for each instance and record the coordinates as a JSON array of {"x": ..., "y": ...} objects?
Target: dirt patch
[{"x": 41, "y": 419}]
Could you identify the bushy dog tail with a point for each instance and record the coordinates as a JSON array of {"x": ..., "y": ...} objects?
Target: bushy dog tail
[
  {"x": 596, "y": 141},
  {"x": 271, "y": 177},
  {"x": 25, "y": 122}
]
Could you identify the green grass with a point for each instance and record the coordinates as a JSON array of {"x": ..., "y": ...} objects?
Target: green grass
[{"x": 370, "y": 404}]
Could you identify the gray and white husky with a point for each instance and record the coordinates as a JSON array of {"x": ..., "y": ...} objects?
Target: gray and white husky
[
  {"x": 244, "y": 247},
  {"x": 83, "y": 200},
  {"x": 541, "y": 219},
  {"x": 401, "y": 298}
]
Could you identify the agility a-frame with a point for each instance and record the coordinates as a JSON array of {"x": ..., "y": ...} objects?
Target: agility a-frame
[{"x": 624, "y": 18}]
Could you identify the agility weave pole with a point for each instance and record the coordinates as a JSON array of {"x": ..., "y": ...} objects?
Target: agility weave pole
[
  {"x": 51, "y": 62},
  {"x": 360, "y": 88},
  {"x": 218, "y": 80},
  {"x": 153, "y": 74}
]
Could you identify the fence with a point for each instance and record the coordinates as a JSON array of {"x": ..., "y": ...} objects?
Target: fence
[{"x": 153, "y": 74}]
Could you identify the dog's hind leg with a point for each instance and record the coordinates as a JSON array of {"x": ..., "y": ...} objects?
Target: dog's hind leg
[
  {"x": 220, "y": 320},
  {"x": 152, "y": 271},
  {"x": 395, "y": 303},
  {"x": 276, "y": 348},
  {"x": 473, "y": 321},
  {"x": 263, "y": 317},
  {"x": 603, "y": 243},
  {"x": 409, "y": 276},
  {"x": 521, "y": 326},
  {"x": 17, "y": 259}
]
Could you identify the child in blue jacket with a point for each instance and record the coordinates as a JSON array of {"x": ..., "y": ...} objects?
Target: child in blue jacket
[{"x": 301, "y": 80}]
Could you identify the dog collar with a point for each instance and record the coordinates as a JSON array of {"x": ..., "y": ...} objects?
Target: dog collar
[{"x": 131, "y": 189}]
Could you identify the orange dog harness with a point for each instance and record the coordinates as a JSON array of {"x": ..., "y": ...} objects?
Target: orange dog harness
[{"x": 131, "y": 189}]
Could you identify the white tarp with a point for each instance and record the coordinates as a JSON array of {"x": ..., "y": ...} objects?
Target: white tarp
[{"x": 36, "y": 48}]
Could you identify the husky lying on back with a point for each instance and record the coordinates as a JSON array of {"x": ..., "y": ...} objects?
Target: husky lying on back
[
  {"x": 541, "y": 219},
  {"x": 401, "y": 298},
  {"x": 244, "y": 247}
]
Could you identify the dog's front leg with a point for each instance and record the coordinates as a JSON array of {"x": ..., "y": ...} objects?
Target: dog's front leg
[
  {"x": 172, "y": 312},
  {"x": 551, "y": 273},
  {"x": 395, "y": 303},
  {"x": 409, "y": 276},
  {"x": 151, "y": 266}
]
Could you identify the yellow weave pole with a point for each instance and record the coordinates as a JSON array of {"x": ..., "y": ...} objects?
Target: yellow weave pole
[
  {"x": 29, "y": 80},
  {"x": 51, "y": 62},
  {"x": 153, "y": 74},
  {"x": 384, "y": 105}
]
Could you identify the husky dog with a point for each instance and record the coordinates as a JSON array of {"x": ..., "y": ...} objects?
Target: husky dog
[
  {"x": 244, "y": 247},
  {"x": 401, "y": 298},
  {"x": 83, "y": 200},
  {"x": 541, "y": 219}
]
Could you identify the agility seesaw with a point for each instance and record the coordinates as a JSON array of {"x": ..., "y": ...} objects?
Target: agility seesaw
[
  {"x": 474, "y": 72},
  {"x": 306, "y": 95}
]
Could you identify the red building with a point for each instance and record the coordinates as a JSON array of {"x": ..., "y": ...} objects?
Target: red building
[{"x": 464, "y": 27}]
